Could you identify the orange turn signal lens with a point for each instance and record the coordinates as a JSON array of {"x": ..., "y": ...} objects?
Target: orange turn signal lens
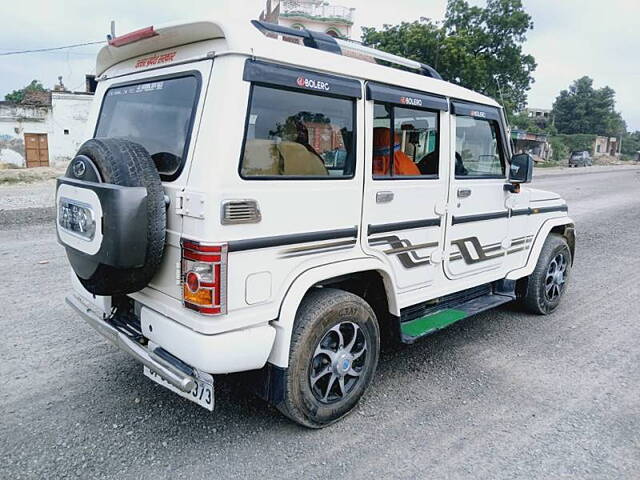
[{"x": 202, "y": 296}]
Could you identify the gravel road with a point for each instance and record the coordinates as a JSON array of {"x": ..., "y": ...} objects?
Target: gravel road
[{"x": 501, "y": 395}]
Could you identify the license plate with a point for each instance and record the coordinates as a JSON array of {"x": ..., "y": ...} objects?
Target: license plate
[{"x": 202, "y": 392}]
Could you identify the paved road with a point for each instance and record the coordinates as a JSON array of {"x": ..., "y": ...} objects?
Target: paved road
[{"x": 501, "y": 395}]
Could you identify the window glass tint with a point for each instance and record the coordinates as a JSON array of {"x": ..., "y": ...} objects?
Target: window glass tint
[
  {"x": 415, "y": 142},
  {"x": 381, "y": 145},
  {"x": 417, "y": 131},
  {"x": 478, "y": 152},
  {"x": 293, "y": 134},
  {"x": 157, "y": 115}
]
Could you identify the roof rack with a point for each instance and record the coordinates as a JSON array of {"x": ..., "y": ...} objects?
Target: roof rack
[{"x": 327, "y": 43}]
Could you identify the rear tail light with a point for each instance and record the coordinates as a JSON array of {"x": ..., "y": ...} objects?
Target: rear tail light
[
  {"x": 133, "y": 37},
  {"x": 204, "y": 277}
]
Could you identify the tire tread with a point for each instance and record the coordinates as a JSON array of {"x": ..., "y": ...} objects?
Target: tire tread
[
  {"x": 125, "y": 163},
  {"x": 534, "y": 300},
  {"x": 315, "y": 304}
]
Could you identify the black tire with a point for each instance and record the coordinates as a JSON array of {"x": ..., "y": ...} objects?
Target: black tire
[
  {"x": 537, "y": 298},
  {"x": 321, "y": 312},
  {"x": 128, "y": 164}
]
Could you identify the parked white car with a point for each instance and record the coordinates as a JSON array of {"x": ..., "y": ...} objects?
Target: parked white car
[{"x": 249, "y": 204}]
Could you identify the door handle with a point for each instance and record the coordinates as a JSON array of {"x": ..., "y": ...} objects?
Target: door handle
[
  {"x": 464, "y": 192},
  {"x": 384, "y": 197}
]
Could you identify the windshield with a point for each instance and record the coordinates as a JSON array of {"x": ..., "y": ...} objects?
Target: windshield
[{"x": 157, "y": 114}]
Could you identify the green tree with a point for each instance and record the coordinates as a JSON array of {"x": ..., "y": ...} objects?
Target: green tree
[
  {"x": 584, "y": 109},
  {"x": 631, "y": 144},
  {"x": 478, "y": 48},
  {"x": 18, "y": 95},
  {"x": 560, "y": 150},
  {"x": 522, "y": 121}
]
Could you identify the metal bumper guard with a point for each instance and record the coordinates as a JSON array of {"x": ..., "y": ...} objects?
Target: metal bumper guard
[{"x": 162, "y": 367}]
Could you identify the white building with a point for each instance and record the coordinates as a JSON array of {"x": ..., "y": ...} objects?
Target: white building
[
  {"x": 317, "y": 15},
  {"x": 45, "y": 130},
  {"x": 539, "y": 113}
]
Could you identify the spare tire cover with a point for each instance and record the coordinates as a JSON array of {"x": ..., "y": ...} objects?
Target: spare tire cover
[{"x": 120, "y": 162}]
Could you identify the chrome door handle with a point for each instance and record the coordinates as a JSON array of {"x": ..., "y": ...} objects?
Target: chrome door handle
[
  {"x": 464, "y": 192},
  {"x": 384, "y": 197}
]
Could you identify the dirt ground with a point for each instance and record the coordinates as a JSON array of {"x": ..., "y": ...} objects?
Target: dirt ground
[
  {"x": 9, "y": 176},
  {"x": 501, "y": 395}
]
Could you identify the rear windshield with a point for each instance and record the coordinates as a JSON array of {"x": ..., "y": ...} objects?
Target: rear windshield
[{"x": 157, "y": 114}]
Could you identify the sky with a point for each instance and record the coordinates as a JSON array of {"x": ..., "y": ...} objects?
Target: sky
[{"x": 571, "y": 38}]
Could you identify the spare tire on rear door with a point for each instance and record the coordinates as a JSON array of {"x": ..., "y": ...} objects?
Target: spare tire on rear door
[{"x": 117, "y": 184}]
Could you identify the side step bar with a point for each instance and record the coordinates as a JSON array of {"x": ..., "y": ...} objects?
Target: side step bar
[{"x": 424, "y": 319}]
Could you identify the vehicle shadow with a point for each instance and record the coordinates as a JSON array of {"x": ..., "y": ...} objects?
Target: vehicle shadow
[{"x": 238, "y": 410}]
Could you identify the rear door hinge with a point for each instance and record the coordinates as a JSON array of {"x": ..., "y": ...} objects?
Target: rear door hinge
[
  {"x": 179, "y": 273},
  {"x": 190, "y": 204}
]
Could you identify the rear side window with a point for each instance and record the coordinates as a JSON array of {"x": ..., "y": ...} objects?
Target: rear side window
[
  {"x": 158, "y": 115},
  {"x": 479, "y": 151},
  {"x": 414, "y": 142},
  {"x": 298, "y": 135}
]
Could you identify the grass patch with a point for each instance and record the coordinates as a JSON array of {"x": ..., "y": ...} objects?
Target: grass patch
[{"x": 548, "y": 165}]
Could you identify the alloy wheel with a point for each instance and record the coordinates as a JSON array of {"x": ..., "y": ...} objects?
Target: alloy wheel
[
  {"x": 556, "y": 277},
  {"x": 338, "y": 362}
]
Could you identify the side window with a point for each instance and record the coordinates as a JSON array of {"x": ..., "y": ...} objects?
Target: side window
[
  {"x": 294, "y": 134},
  {"x": 479, "y": 151},
  {"x": 413, "y": 146}
]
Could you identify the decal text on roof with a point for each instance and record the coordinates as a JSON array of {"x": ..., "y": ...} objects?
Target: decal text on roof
[{"x": 155, "y": 60}]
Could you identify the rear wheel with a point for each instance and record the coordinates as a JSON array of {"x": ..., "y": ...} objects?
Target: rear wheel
[
  {"x": 547, "y": 283},
  {"x": 333, "y": 357}
]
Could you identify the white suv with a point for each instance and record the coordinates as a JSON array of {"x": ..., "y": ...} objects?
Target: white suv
[{"x": 273, "y": 201}]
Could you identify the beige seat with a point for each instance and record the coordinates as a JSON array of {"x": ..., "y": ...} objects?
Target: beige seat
[
  {"x": 300, "y": 161},
  {"x": 266, "y": 158},
  {"x": 261, "y": 158}
]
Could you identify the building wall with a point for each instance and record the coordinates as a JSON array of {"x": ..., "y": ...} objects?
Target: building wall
[
  {"x": 600, "y": 146},
  {"x": 14, "y": 121},
  {"x": 68, "y": 111},
  {"x": 538, "y": 113},
  {"x": 318, "y": 26},
  {"x": 314, "y": 15},
  {"x": 606, "y": 146}
]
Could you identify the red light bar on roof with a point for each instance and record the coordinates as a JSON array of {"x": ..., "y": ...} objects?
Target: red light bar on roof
[{"x": 132, "y": 37}]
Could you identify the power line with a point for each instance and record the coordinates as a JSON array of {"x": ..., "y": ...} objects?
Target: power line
[{"x": 18, "y": 52}]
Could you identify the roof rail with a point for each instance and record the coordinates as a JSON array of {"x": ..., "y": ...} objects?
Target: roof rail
[
  {"x": 317, "y": 40},
  {"x": 327, "y": 43}
]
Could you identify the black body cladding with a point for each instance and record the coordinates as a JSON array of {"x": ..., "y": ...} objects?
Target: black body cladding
[{"x": 126, "y": 211}]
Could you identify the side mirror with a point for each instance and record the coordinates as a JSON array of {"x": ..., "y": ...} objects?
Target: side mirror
[{"x": 521, "y": 169}]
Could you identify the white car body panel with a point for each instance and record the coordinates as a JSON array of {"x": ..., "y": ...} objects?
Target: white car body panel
[
  {"x": 229, "y": 352},
  {"x": 265, "y": 286}
]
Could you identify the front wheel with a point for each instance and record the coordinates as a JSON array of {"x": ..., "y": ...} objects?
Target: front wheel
[
  {"x": 547, "y": 283},
  {"x": 333, "y": 357}
]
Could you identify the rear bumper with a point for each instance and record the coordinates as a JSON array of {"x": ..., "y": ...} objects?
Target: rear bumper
[
  {"x": 229, "y": 352},
  {"x": 171, "y": 373}
]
